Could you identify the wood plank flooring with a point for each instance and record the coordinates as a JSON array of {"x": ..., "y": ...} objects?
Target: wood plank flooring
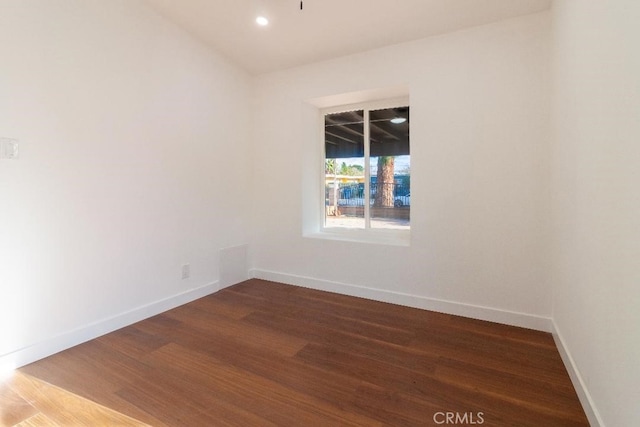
[{"x": 266, "y": 354}]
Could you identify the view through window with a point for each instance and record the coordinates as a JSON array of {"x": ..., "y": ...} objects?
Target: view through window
[{"x": 367, "y": 169}]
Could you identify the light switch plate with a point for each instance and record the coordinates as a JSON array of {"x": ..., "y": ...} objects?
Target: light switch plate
[{"x": 9, "y": 148}]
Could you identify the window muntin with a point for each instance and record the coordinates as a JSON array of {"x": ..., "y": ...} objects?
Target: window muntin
[{"x": 367, "y": 168}]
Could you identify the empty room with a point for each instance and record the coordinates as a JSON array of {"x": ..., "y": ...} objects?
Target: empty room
[{"x": 319, "y": 213}]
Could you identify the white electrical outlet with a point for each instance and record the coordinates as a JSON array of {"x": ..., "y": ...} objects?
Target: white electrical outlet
[
  {"x": 9, "y": 148},
  {"x": 186, "y": 271}
]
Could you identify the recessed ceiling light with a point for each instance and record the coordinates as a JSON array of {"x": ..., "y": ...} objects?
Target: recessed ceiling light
[
  {"x": 398, "y": 120},
  {"x": 262, "y": 21}
]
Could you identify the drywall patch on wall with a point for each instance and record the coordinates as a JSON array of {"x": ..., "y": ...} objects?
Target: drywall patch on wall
[{"x": 233, "y": 265}]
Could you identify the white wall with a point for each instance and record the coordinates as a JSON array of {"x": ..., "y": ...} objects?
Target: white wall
[
  {"x": 480, "y": 126},
  {"x": 134, "y": 146},
  {"x": 596, "y": 200},
  {"x": 135, "y": 159}
]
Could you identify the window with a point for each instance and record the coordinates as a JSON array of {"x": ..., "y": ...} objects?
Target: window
[{"x": 367, "y": 167}]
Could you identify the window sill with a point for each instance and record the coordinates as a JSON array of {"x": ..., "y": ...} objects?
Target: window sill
[{"x": 379, "y": 237}]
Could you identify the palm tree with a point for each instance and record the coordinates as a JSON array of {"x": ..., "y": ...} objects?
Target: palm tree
[{"x": 385, "y": 182}]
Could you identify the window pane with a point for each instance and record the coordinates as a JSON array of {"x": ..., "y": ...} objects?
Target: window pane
[
  {"x": 390, "y": 168},
  {"x": 344, "y": 169}
]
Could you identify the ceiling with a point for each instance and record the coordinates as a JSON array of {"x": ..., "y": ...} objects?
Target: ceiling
[{"x": 326, "y": 29}]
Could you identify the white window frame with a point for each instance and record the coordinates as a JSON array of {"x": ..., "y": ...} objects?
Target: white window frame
[{"x": 366, "y": 234}]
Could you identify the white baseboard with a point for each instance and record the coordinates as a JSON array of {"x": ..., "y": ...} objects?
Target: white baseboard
[
  {"x": 523, "y": 320},
  {"x": 578, "y": 383},
  {"x": 53, "y": 345}
]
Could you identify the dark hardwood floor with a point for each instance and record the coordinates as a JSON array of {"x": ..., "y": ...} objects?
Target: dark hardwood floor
[{"x": 266, "y": 354}]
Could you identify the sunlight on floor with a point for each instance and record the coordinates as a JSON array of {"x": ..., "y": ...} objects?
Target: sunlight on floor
[
  {"x": 28, "y": 401},
  {"x": 7, "y": 368}
]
